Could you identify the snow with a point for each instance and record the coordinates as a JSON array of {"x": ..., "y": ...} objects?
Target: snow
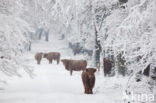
[
  {"x": 130, "y": 32},
  {"x": 53, "y": 84}
]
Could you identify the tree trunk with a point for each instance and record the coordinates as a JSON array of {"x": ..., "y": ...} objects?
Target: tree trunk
[
  {"x": 30, "y": 46},
  {"x": 97, "y": 49},
  {"x": 40, "y": 33},
  {"x": 47, "y": 35},
  {"x": 121, "y": 64}
]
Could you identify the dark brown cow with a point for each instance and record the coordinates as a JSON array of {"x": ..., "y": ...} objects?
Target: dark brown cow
[
  {"x": 52, "y": 56},
  {"x": 107, "y": 66},
  {"x": 88, "y": 79},
  {"x": 74, "y": 65},
  {"x": 38, "y": 57}
]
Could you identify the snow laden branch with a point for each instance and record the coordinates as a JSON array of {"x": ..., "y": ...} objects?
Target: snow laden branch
[{"x": 14, "y": 35}]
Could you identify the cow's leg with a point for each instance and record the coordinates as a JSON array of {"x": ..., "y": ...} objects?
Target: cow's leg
[
  {"x": 71, "y": 71},
  {"x": 90, "y": 91},
  {"x": 49, "y": 61},
  {"x": 38, "y": 61},
  {"x": 86, "y": 87},
  {"x": 105, "y": 74},
  {"x": 86, "y": 90},
  {"x": 58, "y": 60},
  {"x": 90, "y": 85},
  {"x": 86, "y": 84}
]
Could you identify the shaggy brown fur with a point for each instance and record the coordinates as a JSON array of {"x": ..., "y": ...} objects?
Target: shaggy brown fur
[
  {"x": 88, "y": 79},
  {"x": 74, "y": 65},
  {"x": 107, "y": 66},
  {"x": 38, "y": 57},
  {"x": 52, "y": 56}
]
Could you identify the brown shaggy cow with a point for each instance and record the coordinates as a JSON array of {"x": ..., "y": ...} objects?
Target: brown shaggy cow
[
  {"x": 38, "y": 57},
  {"x": 52, "y": 56},
  {"x": 88, "y": 79},
  {"x": 107, "y": 66},
  {"x": 74, "y": 65}
]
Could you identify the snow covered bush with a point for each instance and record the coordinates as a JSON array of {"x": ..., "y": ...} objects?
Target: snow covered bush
[
  {"x": 14, "y": 35},
  {"x": 121, "y": 67},
  {"x": 132, "y": 31}
]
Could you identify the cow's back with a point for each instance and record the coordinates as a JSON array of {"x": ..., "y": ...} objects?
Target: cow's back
[
  {"x": 78, "y": 65},
  {"x": 56, "y": 55}
]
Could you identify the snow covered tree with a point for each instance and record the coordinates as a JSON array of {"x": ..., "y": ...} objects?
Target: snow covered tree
[
  {"x": 14, "y": 36},
  {"x": 132, "y": 32}
]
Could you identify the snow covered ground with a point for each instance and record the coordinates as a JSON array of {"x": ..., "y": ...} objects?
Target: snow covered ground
[{"x": 53, "y": 84}]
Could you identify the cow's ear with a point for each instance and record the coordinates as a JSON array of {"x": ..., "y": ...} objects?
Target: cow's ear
[
  {"x": 94, "y": 70},
  {"x": 63, "y": 61}
]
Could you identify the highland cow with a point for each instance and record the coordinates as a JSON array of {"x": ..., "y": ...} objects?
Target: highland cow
[
  {"x": 107, "y": 66},
  {"x": 74, "y": 65},
  {"x": 88, "y": 79},
  {"x": 52, "y": 56},
  {"x": 38, "y": 57}
]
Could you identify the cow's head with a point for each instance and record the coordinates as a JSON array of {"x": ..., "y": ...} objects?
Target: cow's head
[
  {"x": 90, "y": 72},
  {"x": 45, "y": 55},
  {"x": 64, "y": 61}
]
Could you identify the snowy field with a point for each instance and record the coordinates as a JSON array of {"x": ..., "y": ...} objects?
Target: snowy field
[
  {"x": 53, "y": 84},
  {"x": 121, "y": 31}
]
